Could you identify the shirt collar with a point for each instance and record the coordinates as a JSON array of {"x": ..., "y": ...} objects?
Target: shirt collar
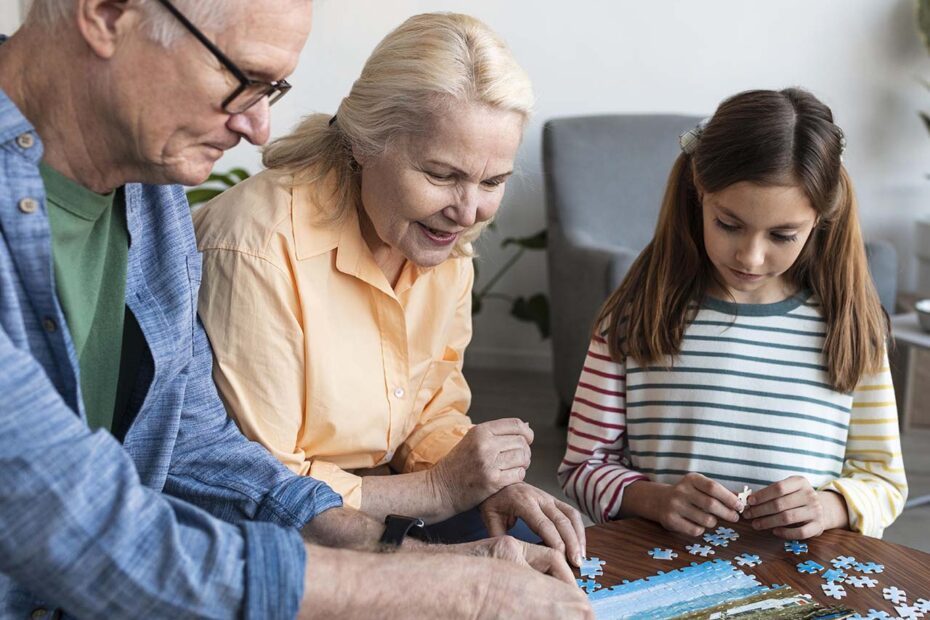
[
  {"x": 13, "y": 125},
  {"x": 353, "y": 257}
]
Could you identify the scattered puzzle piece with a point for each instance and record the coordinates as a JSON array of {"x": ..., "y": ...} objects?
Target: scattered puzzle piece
[
  {"x": 843, "y": 561},
  {"x": 701, "y": 550},
  {"x": 748, "y": 560},
  {"x": 833, "y": 574},
  {"x": 869, "y": 567},
  {"x": 923, "y": 605},
  {"x": 877, "y": 614},
  {"x": 588, "y": 585},
  {"x": 809, "y": 567},
  {"x": 796, "y": 547},
  {"x": 716, "y": 539},
  {"x": 727, "y": 532},
  {"x": 662, "y": 554},
  {"x": 834, "y": 590},
  {"x": 858, "y": 581},
  {"x": 591, "y": 567},
  {"x": 908, "y": 612},
  {"x": 894, "y": 594}
]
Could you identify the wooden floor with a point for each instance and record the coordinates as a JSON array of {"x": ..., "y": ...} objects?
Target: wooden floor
[{"x": 531, "y": 396}]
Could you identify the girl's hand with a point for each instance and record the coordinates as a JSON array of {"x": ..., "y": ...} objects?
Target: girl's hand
[
  {"x": 794, "y": 510},
  {"x": 694, "y": 505}
]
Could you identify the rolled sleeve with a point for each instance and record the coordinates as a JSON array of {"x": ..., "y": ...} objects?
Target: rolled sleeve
[{"x": 274, "y": 572}]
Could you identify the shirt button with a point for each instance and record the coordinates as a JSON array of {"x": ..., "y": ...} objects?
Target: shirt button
[
  {"x": 49, "y": 324},
  {"x": 28, "y": 205},
  {"x": 26, "y": 140},
  {"x": 399, "y": 392},
  {"x": 38, "y": 613}
]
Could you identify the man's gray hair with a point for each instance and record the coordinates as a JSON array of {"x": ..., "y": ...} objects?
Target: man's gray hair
[{"x": 161, "y": 25}]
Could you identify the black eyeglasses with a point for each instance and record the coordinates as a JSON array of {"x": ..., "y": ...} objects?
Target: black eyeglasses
[{"x": 249, "y": 92}]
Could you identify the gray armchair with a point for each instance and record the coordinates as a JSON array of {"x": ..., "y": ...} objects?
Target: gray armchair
[{"x": 605, "y": 177}]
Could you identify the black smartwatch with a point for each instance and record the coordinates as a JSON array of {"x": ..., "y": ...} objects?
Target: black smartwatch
[{"x": 398, "y": 527}]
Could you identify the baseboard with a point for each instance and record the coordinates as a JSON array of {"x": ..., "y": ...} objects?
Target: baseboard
[{"x": 491, "y": 357}]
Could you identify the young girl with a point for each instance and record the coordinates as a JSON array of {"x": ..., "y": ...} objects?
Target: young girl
[{"x": 746, "y": 346}]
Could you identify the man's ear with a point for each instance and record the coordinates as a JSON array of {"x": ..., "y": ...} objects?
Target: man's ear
[{"x": 103, "y": 23}]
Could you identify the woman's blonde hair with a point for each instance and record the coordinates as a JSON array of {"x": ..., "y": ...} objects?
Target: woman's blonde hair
[
  {"x": 771, "y": 138},
  {"x": 428, "y": 63}
]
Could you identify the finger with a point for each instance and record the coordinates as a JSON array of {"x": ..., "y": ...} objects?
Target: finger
[
  {"x": 514, "y": 458},
  {"x": 775, "y": 490},
  {"x": 793, "y": 516},
  {"x": 539, "y": 522},
  {"x": 577, "y": 524},
  {"x": 495, "y": 522},
  {"x": 807, "y": 530},
  {"x": 698, "y": 516},
  {"x": 507, "y": 477},
  {"x": 717, "y": 491},
  {"x": 566, "y": 531},
  {"x": 548, "y": 561},
  {"x": 510, "y": 426},
  {"x": 678, "y": 523},
  {"x": 777, "y": 505},
  {"x": 713, "y": 506}
]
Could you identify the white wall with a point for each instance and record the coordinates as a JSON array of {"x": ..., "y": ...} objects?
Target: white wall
[
  {"x": 11, "y": 12},
  {"x": 862, "y": 57}
]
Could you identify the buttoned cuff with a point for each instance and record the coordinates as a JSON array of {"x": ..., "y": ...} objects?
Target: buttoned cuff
[
  {"x": 274, "y": 571},
  {"x": 295, "y": 502}
]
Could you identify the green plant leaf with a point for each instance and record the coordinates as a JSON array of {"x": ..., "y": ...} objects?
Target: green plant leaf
[
  {"x": 241, "y": 173},
  {"x": 201, "y": 194},
  {"x": 222, "y": 178},
  {"x": 537, "y": 241},
  {"x": 534, "y": 310}
]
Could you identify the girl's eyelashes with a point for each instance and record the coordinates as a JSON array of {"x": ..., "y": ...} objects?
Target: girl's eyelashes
[
  {"x": 785, "y": 238},
  {"x": 778, "y": 237},
  {"x": 724, "y": 226}
]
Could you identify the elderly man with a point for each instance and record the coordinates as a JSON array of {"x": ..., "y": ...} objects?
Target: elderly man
[{"x": 125, "y": 489}]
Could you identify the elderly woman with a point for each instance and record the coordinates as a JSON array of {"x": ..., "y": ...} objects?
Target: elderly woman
[{"x": 337, "y": 288}]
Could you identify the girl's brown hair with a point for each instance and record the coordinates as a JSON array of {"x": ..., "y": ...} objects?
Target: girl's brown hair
[{"x": 770, "y": 138}]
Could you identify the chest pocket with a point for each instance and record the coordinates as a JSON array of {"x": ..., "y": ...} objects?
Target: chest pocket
[{"x": 435, "y": 376}]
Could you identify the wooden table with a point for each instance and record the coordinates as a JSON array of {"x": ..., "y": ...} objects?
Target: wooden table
[{"x": 624, "y": 545}]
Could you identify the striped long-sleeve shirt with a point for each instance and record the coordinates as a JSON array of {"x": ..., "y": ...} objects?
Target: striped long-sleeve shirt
[{"x": 746, "y": 402}]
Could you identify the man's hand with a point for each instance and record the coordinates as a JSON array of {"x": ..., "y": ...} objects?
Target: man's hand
[
  {"x": 546, "y": 561},
  {"x": 350, "y": 584},
  {"x": 794, "y": 510},
  {"x": 558, "y": 524},
  {"x": 694, "y": 505},
  {"x": 490, "y": 457}
]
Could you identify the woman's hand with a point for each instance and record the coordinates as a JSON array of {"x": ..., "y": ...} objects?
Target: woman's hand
[
  {"x": 794, "y": 510},
  {"x": 694, "y": 505},
  {"x": 557, "y": 523},
  {"x": 491, "y": 456}
]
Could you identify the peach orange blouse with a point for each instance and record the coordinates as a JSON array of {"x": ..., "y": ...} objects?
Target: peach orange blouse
[{"x": 316, "y": 356}]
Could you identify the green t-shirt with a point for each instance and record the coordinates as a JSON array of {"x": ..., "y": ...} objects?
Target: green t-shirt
[{"x": 90, "y": 248}]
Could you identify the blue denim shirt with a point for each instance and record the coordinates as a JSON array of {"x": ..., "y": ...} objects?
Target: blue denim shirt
[{"x": 186, "y": 518}]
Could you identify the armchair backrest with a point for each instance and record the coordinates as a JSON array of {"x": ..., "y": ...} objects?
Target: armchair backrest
[{"x": 605, "y": 175}]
